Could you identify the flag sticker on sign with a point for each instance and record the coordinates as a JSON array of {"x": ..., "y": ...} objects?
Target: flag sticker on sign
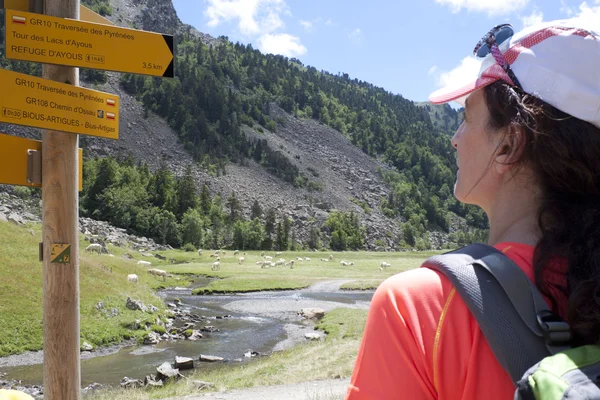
[
  {"x": 111, "y": 102},
  {"x": 19, "y": 20},
  {"x": 110, "y": 115}
]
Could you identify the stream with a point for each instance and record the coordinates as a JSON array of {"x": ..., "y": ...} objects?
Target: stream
[{"x": 262, "y": 321}]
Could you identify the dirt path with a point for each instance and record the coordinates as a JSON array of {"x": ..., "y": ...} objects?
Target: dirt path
[{"x": 332, "y": 389}]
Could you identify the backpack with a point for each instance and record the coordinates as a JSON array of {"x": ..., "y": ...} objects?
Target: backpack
[{"x": 529, "y": 341}]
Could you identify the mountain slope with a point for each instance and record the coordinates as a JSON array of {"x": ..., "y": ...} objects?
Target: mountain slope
[{"x": 333, "y": 166}]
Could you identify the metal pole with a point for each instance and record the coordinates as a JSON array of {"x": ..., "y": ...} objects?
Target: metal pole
[{"x": 60, "y": 210}]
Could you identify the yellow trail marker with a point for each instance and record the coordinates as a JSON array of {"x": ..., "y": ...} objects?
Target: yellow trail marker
[
  {"x": 85, "y": 14},
  {"x": 60, "y": 253},
  {"x": 60, "y": 41},
  {"x": 13, "y": 160},
  {"x": 41, "y": 103}
]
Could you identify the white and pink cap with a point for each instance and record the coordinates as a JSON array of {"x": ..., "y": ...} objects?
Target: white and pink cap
[{"x": 557, "y": 62}]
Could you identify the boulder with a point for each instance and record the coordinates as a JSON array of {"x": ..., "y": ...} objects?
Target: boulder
[
  {"x": 152, "y": 338},
  {"x": 209, "y": 328},
  {"x": 130, "y": 383},
  {"x": 201, "y": 385},
  {"x": 312, "y": 336},
  {"x": 86, "y": 347},
  {"x": 184, "y": 363},
  {"x": 206, "y": 358},
  {"x": 135, "y": 305},
  {"x": 153, "y": 309},
  {"x": 150, "y": 380},
  {"x": 166, "y": 372},
  {"x": 196, "y": 335},
  {"x": 16, "y": 219},
  {"x": 250, "y": 354},
  {"x": 312, "y": 313}
]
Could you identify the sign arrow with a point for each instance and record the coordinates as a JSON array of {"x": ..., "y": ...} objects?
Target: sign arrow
[{"x": 60, "y": 41}]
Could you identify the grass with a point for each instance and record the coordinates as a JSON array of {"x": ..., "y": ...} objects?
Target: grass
[
  {"x": 102, "y": 279},
  {"x": 248, "y": 277},
  {"x": 334, "y": 356}
]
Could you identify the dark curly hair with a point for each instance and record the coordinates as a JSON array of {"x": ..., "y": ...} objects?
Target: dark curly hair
[{"x": 564, "y": 154}]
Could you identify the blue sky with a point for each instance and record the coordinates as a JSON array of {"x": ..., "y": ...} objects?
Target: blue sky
[{"x": 409, "y": 47}]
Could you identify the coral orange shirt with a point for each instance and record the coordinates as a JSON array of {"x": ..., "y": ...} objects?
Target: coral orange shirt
[{"x": 421, "y": 341}]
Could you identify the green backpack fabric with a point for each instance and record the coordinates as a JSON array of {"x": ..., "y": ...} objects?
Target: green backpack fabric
[{"x": 529, "y": 341}]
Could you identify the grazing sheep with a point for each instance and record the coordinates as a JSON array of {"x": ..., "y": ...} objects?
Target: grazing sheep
[
  {"x": 143, "y": 262},
  {"x": 383, "y": 266},
  {"x": 216, "y": 266},
  {"x": 235, "y": 253},
  {"x": 290, "y": 264},
  {"x": 324, "y": 259},
  {"x": 132, "y": 278},
  {"x": 94, "y": 247},
  {"x": 158, "y": 272},
  {"x": 240, "y": 260},
  {"x": 279, "y": 262},
  {"x": 199, "y": 252},
  {"x": 263, "y": 264},
  {"x": 344, "y": 263},
  {"x": 299, "y": 258},
  {"x": 331, "y": 257},
  {"x": 262, "y": 253},
  {"x": 351, "y": 263},
  {"x": 306, "y": 259},
  {"x": 278, "y": 254},
  {"x": 268, "y": 258}
]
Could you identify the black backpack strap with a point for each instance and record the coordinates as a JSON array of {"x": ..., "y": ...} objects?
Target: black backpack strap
[{"x": 511, "y": 312}]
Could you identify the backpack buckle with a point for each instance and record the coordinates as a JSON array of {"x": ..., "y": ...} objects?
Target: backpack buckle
[{"x": 556, "y": 331}]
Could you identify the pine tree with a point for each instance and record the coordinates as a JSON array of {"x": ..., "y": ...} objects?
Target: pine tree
[
  {"x": 286, "y": 233},
  {"x": 186, "y": 190},
  {"x": 234, "y": 207},
  {"x": 205, "y": 201},
  {"x": 279, "y": 238},
  {"x": 269, "y": 228},
  {"x": 256, "y": 210}
]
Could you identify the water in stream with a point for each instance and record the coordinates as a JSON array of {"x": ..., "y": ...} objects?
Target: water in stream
[{"x": 238, "y": 334}]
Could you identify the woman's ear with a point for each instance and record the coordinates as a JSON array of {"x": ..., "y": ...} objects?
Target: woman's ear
[{"x": 509, "y": 150}]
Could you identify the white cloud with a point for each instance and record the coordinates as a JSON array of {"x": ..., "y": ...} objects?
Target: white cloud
[
  {"x": 329, "y": 22},
  {"x": 254, "y": 17},
  {"x": 463, "y": 73},
  {"x": 492, "y": 7},
  {"x": 259, "y": 20},
  {"x": 432, "y": 70},
  {"x": 590, "y": 14},
  {"x": 356, "y": 36},
  {"x": 565, "y": 9},
  {"x": 535, "y": 18},
  {"x": 307, "y": 25},
  {"x": 281, "y": 43}
]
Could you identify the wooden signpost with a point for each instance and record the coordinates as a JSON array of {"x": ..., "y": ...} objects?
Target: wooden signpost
[{"x": 51, "y": 32}]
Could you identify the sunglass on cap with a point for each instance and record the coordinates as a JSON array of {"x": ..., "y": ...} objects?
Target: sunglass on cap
[{"x": 489, "y": 44}]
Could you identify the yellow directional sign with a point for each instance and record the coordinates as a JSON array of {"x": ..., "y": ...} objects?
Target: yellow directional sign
[
  {"x": 41, "y": 103},
  {"x": 51, "y": 40},
  {"x": 13, "y": 160},
  {"x": 85, "y": 14}
]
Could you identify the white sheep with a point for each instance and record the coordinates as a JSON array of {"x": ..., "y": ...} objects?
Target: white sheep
[
  {"x": 199, "y": 252},
  {"x": 278, "y": 254},
  {"x": 94, "y": 247},
  {"x": 290, "y": 264},
  {"x": 324, "y": 259},
  {"x": 143, "y": 262},
  {"x": 344, "y": 263},
  {"x": 331, "y": 257},
  {"x": 268, "y": 258},
  {"x": 279, "y": 262},
  {"x": 236, "y": 252},
  {"x": 132, "y": 278},
  {"x": 216, "y": 266},
  {"x": 306, "y": 259},
  {"x": 240, "y": 260},
  {"x": 383, "y": 266},
  {"x": 158, "y": 272},
  {"x": 262, "y": 253},
  {"x": 351, "y": 263},
  {"x": 299, "y": 258}
]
